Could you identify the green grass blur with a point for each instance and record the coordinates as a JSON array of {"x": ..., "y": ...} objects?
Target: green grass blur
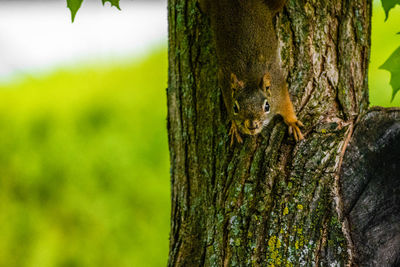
[{"x": 84, "y": 171}]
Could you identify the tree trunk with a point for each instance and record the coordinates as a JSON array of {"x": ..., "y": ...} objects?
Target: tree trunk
[
  {"x": 370, "y": 188},
  {"x": 269, "y": 201}
]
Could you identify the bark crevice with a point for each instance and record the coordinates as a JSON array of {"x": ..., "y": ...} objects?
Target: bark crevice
[{"x": 268, "y": 201}]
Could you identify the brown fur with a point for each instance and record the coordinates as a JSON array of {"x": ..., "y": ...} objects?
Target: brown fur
[{"x": 249, "y": 70}]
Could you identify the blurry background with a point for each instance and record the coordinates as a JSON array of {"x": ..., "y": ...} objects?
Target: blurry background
[{"x": 84, "y": 172}]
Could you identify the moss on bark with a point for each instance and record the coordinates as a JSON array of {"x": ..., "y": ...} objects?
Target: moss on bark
[{"x": 268, "y": 201}]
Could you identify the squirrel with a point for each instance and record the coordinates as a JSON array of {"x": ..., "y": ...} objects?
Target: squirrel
[{"x": 253, "y": 85}]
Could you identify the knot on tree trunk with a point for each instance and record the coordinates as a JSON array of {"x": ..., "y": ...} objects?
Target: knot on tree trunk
[{"x": 370, "y": 185}]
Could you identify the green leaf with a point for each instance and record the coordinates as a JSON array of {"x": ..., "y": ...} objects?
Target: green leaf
[
  {"x": 74, "y": 6},
  {"x": 113, "y": 3},
  {"x": 388, "y": 5},
  {"x": 392, "y": 65}
]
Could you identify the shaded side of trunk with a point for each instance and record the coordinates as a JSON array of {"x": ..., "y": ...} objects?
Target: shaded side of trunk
[
  {"x": 268, "y": 200},
  {"x": 370, "y": 183}
]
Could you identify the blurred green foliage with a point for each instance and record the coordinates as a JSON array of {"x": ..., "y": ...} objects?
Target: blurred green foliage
[
  {"x": 384, "y": 41},
  {"x": 392, "y": 64},
  {"x": 84, "y": 171}
]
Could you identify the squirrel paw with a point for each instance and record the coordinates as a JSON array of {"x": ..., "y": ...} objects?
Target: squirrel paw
[
  {"x": 295, "y": 130},
  {"x": 234, "y": 133}
]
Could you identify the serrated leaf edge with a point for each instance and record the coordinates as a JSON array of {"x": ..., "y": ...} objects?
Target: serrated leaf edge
[
  {"x": 387, "y": 11},
  {"x": 383, "y": 67},
  {"x": 112, "y": 4}
]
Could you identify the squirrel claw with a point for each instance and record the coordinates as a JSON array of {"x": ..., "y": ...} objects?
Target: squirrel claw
[
  {"x": 234, "y": 133},
  {"x": 295, "y": 130}
]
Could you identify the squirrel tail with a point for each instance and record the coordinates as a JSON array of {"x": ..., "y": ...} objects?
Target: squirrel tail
[{"x": 275, "y": 5}]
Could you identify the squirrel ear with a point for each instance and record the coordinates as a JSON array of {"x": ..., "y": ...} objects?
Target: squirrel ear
[
  {"x": 266, "y": 82},
  {"x": 235, "y": 83}
]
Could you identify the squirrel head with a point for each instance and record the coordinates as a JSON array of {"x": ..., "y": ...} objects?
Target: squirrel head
[{"x": 251, "y": 104}]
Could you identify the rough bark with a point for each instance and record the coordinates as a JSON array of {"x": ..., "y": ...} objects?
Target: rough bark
[
  {"x": 268, "y": 201},
  {"x": 370, "y": 188}
]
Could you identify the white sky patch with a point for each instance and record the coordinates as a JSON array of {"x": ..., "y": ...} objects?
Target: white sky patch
[{"x": 37, "y": 36}]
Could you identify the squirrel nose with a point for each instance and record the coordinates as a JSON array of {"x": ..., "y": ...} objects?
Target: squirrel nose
[{"x": 252, "y": 125}]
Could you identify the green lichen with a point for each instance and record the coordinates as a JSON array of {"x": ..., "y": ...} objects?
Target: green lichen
[{"x": 285, "y": 211}]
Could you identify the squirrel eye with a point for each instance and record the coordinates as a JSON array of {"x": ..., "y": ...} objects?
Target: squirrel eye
[
  {"x": 266, "y": 106},
  {"x": 236, "y": 108}
]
